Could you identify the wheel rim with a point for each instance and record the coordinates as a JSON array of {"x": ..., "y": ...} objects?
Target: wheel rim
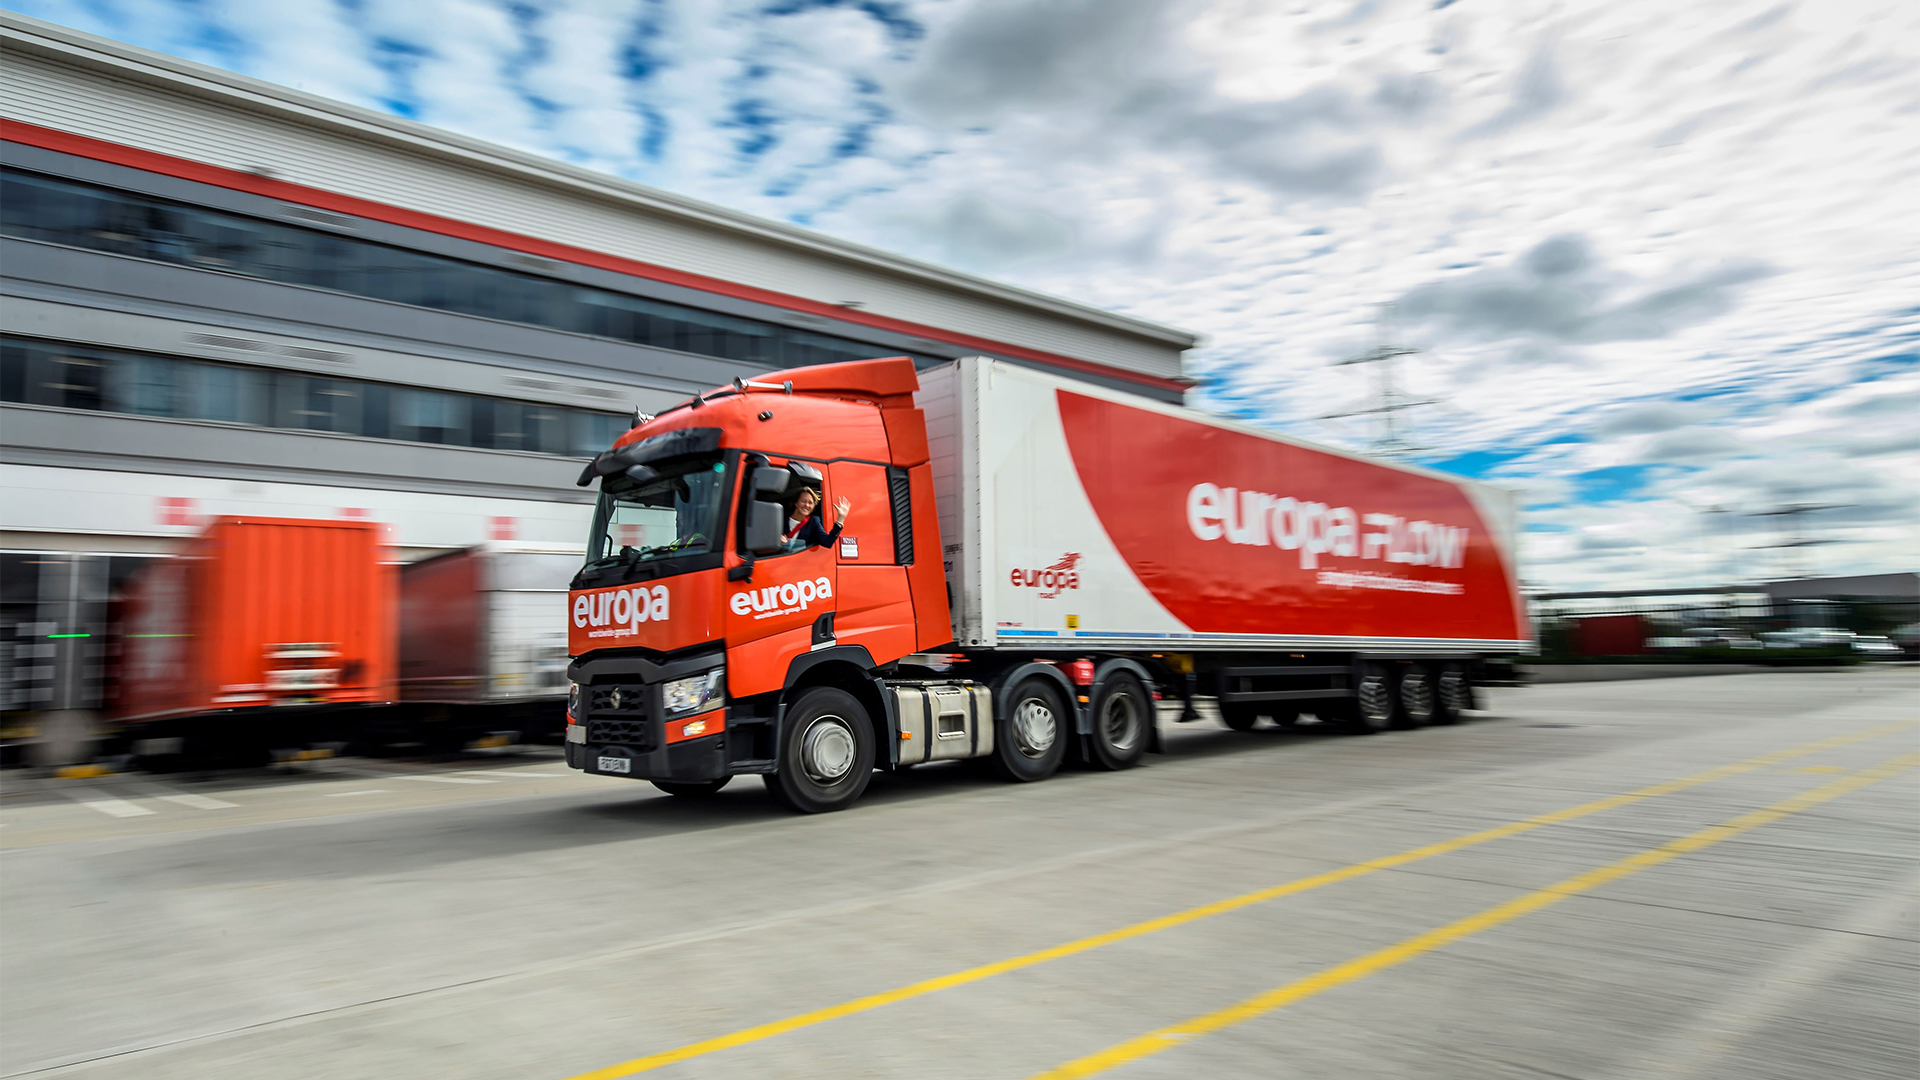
[
  {"x": 1034, "y": 728},
  {"x": 1376, "y": 701},
  {"x": 826, "y": 751},
  {"x": 1417, "y": 694},
  {"x": 1120, "y": 720}
]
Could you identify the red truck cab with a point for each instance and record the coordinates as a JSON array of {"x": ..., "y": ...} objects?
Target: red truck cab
[{"x": 692, "y": 625}]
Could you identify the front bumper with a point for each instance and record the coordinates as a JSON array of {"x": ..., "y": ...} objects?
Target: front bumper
[
  {"x": 704, "y": 758},
  {"x": 627, "y": 733}
]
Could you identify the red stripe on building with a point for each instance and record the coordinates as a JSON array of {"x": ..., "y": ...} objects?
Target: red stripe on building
[{"x": 252, "y": 183}]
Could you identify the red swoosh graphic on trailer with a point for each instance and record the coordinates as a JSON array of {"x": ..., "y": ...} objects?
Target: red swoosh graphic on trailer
[{"x": 1138, "y": 466}]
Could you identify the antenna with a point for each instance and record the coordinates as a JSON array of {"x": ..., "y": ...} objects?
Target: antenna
[{"x": 1388, "y": 401}]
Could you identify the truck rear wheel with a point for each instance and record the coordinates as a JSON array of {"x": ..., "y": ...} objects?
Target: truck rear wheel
[
  {"x": 1030, "y": 737},
  {"x": 692, "y": 789},
  {"x": 1417, "y": 703},
  {"x": 826, "y": 753},
  {"x": 1373, "y": 707},
  {"x": 1122, "y": 722},
  {"x": 1455, "y": 693},
  {"x": 1239, "y": 715}
]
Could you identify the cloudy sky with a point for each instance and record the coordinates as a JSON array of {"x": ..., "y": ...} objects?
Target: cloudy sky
[{"x": 1662, "y": 259}]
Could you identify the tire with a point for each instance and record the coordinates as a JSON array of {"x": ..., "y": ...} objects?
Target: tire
[
  {"x": 1239, "y": 716},
  {"x": 1374, "y": 707},
  {"x": 1123, "y": 720},
  {"x": 826, "y": 752},
  {"x": 1455, "y": 693},
  {"x": 1030, "y": 737},
  {"x": 1285, "y": 717},
  {"x": 692, "y": 789},
  {"x": 1418, "y": 703}
]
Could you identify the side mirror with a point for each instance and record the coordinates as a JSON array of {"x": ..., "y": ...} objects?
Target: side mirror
[
  {"x": 766, "y": 532},
  {"x": 770, "y": 481},
  {"x": 807, "y": 473}
]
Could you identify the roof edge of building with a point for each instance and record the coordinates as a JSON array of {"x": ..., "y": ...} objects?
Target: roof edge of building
[{"x": 66, "y": 45}]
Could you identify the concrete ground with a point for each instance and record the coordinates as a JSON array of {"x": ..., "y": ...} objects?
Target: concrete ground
[{"x": 506, "y": 918}]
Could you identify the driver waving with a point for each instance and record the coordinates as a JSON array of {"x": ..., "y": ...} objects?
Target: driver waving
[{"x": 805, "y": 528}]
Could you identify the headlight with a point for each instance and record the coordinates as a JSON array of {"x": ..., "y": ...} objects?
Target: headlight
[
  {"x": 696, "y": 692},
  {"x": 576, "y": 702}
]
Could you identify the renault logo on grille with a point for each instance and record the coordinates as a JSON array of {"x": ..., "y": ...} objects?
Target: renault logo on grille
[{"x": 614, "y": 699}]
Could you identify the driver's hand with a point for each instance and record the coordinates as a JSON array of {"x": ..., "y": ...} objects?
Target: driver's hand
[{"x": 841, "y": 506}]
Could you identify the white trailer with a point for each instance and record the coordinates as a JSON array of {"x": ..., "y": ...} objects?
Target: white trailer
[{"x": 483, "y": 633}]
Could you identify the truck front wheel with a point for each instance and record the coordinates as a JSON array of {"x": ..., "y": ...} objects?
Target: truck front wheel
[
  {"x": 826, "y": 754},
  {"x": 1030, "y": 737}
]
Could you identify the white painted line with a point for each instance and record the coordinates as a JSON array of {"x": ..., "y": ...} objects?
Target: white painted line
[
  {"x": 199, "y": 802},
  {"x": 441, "y": 779},
  {"x": 362, "y": 791},
  {"x": 106, "y": 804}
]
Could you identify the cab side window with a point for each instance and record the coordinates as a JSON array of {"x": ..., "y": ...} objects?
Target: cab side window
[{"x": 806, "y": 483}]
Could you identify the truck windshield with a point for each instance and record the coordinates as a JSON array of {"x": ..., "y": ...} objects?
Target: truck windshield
[{"x": 675, "y": 513}]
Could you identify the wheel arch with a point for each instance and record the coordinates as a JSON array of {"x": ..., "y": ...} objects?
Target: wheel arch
[{"x": 849, "y": 668}]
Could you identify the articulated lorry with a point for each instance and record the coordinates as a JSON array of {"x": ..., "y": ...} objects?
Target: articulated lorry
[{"x": 1026, "y": 566}]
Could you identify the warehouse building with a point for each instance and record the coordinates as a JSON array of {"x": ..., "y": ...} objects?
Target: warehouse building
[{"x": 222, "y": 296}]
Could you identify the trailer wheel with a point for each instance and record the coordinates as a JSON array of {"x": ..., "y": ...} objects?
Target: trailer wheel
[
  {"x": 1122, "y": 721},
  {"x": 1030, "y": 738},
  {"x": 1455, "y": 693},
  {"x": 1239, "y": 715},
  {"x": 826, "y": 753},
  {"x": 1417, "y": 700},
  {"x": 692, "y": 789},
  {"x": 1373, "y": 707}
]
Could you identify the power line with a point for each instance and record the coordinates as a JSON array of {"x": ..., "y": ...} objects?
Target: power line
[{"x": 1389, "y": 401}]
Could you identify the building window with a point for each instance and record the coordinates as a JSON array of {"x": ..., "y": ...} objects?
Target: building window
[
  {"x": 55, "y": 211},
  {"x": 141, "y": 384}
]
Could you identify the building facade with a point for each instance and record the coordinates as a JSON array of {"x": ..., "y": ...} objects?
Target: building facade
[{"x": 221, "y": 296}]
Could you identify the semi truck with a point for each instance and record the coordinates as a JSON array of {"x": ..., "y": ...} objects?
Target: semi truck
[{"x": 1026, "y": 566}]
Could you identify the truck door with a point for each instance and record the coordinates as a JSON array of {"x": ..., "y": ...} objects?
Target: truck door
[
  {"x": 876, "y": 608},
  {"x": 787, "y": 608}
]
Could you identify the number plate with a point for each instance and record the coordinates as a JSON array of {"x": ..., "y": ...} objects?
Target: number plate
[{"x": 616, "y": 764}]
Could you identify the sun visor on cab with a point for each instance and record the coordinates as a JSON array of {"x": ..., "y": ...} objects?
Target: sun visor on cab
[{"x": 659, "y": 448}]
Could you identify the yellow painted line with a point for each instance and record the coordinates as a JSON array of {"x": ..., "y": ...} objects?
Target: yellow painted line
[
  {"x": 1354, "y": 970},
  {"x": 760, "y": 1032},
  {"x": 1820, "y": 769}
]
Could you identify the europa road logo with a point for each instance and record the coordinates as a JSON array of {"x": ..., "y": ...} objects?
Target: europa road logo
[{"x": 1053, "y": 580}]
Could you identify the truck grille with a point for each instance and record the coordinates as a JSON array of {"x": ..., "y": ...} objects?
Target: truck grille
[
  {"x": 632, "y": 733},
  {"x": 633, "y": 700}
]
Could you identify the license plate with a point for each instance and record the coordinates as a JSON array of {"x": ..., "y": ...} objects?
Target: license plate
[{"x": 616, "y": 764}]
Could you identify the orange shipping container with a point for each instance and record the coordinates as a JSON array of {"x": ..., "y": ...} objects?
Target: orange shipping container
[{"x": 261, "y": 612}]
